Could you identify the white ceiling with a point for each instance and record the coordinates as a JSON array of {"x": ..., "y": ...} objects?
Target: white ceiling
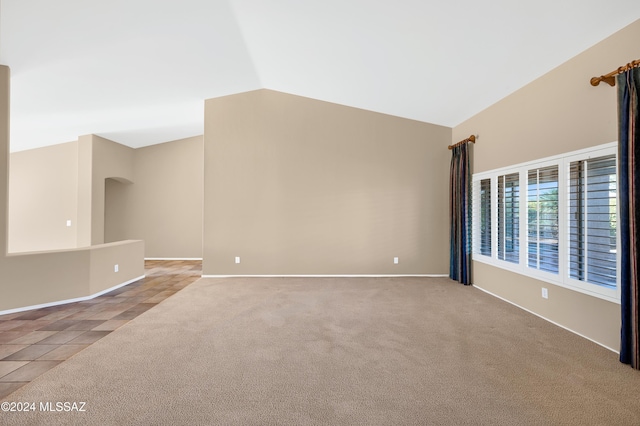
[{"x": 138, "y": 71}]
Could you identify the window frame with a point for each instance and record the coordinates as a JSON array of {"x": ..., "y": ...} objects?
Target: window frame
[
  {"x": 484, "y": 233},
  {"x": 502, "y": 224},
  {"x": 562, "y": 278},
  {"x": 538, "y": 166}
]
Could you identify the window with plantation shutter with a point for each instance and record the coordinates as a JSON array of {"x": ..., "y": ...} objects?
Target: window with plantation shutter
[
  {"x": 509, "y": 217},
  {"x": 485, "y": 217},
  {"x": 542, "y": 219},
  {"x": 592, "y": 220},
  {"x": 482, "y": 217},
  {"x": 552, "y": 219}
]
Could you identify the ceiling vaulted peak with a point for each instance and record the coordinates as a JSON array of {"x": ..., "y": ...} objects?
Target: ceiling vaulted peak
[{"x": 138, "y": 71}]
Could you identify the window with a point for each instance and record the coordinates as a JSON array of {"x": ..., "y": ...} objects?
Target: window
[
  {"x": 485, "y": 217},
  {"x": 562, "y": 211},
  {"x": 542, "y": 219},
  {"x": 592, "y": 221},
  {"x": 509, "y": 217}
]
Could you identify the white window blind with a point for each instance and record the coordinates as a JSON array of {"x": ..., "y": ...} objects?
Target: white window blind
[
  {"x": 509, "y": 217},
  {"x": 482, "y": 217},
  {"x": 592, "y": 220},
  {"x": 542, "y": 219}
]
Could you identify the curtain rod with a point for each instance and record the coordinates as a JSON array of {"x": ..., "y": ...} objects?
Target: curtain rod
[
  {"x": 610, "y": 78},
  {"x": 471, "y": 138}
]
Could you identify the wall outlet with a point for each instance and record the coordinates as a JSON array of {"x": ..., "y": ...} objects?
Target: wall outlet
[
  {"x": 395, "y": 260},
  {"x": 545, "y": 293},
  {"x": 237, "y": 259},
  {"x": 68, "y": 223},
  {"x": 115, "y": 268}
]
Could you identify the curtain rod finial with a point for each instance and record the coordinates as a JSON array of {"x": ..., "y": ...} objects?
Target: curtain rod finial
[{"x": 610, "y": 80}]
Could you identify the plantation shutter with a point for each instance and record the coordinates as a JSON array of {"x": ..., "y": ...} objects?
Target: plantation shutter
[
  {"x": 482, "y": 217},
  {"x": 542, "y": 220},
  {"x": 509, "y": 217},
  {"x": 592, "y": 220}
]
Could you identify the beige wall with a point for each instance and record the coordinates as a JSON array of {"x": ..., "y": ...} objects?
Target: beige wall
[
  {"x": 116, "y": 210},
  {"x": 163, "y": 206},
  {"x": 589, "y": 316},
  {"x": 110, "y": 160},
  {"x": 127, "y": 254},
  {"x": 298, "y": 186},
  {"x": 558, "y": 113},
  {"x": 152, "y": 193},
  {"x": 42, "y": 197},
  {"x": 51, "y": 185},
  {"x": 4, "y": 159},
  {"x": 44, "y": 278}
]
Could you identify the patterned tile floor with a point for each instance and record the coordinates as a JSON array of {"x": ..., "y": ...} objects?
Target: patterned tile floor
[{"x": 32, "y": 342}]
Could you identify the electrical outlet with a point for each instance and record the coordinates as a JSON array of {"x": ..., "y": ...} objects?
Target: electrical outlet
[
  {"x": 68, "y": 223},
  {"x": 545, "y": 293},
  {"x": 395, "y": 260},
  {"x": 237, "y": 259},
  {"x": 115, "y": 268}
]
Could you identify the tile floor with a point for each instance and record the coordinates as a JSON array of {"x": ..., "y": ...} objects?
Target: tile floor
[{"x": 32, "y": 342}]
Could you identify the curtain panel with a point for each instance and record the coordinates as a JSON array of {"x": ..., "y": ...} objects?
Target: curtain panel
[
  {"x": 628, "y": 84},
  {"x": 460, "y": 214}
]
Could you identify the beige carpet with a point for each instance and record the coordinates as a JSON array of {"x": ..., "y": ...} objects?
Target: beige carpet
[{"x": 360, "y": 351}]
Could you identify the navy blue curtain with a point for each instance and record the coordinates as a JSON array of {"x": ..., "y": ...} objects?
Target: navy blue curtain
[
  {"x": 628, "y": 84},
  {"x": 460, "y": 214}
]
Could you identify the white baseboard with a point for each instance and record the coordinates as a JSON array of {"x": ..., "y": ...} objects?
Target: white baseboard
[
  {"x": 546, "y": 319},
  {"x": 328, "y": 276},
  {"x": 172, "y": 258},
  {"x": 64, "y": 302}
]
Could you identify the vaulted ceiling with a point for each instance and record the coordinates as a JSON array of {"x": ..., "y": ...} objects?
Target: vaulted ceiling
[{"x": 138, "y": 71}]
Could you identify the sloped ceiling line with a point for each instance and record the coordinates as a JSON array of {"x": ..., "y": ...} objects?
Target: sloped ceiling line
[{"x": 138, "y": 71}]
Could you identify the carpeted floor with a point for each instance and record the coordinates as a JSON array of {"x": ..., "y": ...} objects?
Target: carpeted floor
[{"x": 358, "y": 351}]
